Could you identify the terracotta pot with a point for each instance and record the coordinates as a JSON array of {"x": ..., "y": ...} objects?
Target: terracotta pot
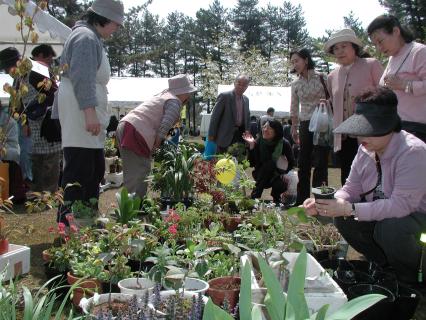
[
  {"x": 4, "y": 246},
  {"x": 231, "y": 223},
  {"x": 4, "y": 180},
  {"x": 86, "y": 288},
  {"x": 46, "y": 256},
  {"x": 218, "y": 292}
]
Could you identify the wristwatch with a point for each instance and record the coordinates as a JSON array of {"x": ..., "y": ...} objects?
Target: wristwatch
[{"x": 352, "y": 213}]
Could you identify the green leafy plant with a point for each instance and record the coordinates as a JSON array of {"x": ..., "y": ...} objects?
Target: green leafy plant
[
  {"x": 128, "y": 206},
  {"x": 162, "y": 257},
  {"x": 281, "y": 306},
  {"x": 83, "y": 210}
]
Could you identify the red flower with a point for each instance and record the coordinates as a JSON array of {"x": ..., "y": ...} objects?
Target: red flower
[
  {"x": 173, "y": 229},
  {"x": 173, "y": 217},
  {"x": 69, "y": 217},
  {"x": 51, "y": 230}
]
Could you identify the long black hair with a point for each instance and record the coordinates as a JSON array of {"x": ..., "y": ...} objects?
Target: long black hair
[
  {"x": 304, "y": 54},
  {"x": 387, "y": 22}
]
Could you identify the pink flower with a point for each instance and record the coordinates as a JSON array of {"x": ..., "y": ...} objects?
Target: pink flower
[
  {"x": 73, "y": 228},
  {"x": 173, "y": 229},
  {"x": 69, "y": 217},
  {"x": 61, "y": 227},
  {"x": 51, "y": 230}
]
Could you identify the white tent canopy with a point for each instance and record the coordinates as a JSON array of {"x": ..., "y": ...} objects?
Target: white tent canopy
[
  {"x": 127, "y": 92},
  {"x": 49, "y": 29},
  {"x": 261, "y": 98}
]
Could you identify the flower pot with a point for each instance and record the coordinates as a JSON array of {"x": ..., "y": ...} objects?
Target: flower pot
[
  {"x": 327, "y": 193},
  {"x": 406, "y": 303},
  {"x": 194, "y": 286},
  {"x": 83, "y": 222},
  {"x": 60, "y": 284},
  {"x": 4, "y": 246},
  {"x": 231, "y": 223},
  {"x": 381, "y": 310},
  {"x": 98, "y": 304},
  {"x": 348, "y": 278},
  {"x": 4, "y": 180},
  {"x": 225, "y": 287},
  {"x": 164, "y": 295},
  {"x": 86, "y": 288},
  {"x": 133, "y": 287}
]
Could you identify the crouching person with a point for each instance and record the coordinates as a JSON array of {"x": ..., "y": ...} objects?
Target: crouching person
[
  {"x": 144, "y": 128},
  {"x": 381, "y": 209},
  {"x": 271, "y": 156}
]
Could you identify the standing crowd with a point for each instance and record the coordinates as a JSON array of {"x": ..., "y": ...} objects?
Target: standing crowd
[{"x": 377, "y": 129}]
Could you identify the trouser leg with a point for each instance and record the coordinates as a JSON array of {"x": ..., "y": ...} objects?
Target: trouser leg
[
  {"x": 45, "y": 171},
  {"x": 263, "y": 176},
  {"x": 360, "y": 236},
  {"x": 135, "y": 171},
  {"x": 305, "y": 161},
  {"x": 400, "y": 240},
  {"x": 83, "y": 171},
  {"x": 320, "y": 175}
]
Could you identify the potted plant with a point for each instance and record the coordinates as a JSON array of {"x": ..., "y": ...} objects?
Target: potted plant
[
  {"x": 278, "y": 304},
  {"x": 173, "y": 175},
  {"x": 137, "y": 286},
  {"x": 84, "y": 214},
  {"x": 128, "y": 206},
  {"x": 4, "y": 232},
  {"x": 324, "y": 192}
]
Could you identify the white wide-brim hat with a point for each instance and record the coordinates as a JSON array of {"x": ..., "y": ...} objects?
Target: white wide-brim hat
[
  {"x": 344, "y": 35},
  {"x": 181, "y": 84},
  {"x": 110, "y": 9}
]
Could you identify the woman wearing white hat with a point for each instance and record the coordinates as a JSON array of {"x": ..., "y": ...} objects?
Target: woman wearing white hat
[
  {"x": 406, "y": 70},
  {"x": 144, "y": 128},
  {"x": 82, "y": 101},
  {"x": 353, "y": 75}
]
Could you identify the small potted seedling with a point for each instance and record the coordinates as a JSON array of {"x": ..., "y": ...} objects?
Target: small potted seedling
[{"x": 323, "y": 192}]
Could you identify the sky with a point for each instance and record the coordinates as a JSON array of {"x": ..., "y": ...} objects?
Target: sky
[{"x": 319, "y": 14}]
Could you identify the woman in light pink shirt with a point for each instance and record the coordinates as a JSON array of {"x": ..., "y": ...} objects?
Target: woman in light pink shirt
[
  {"x": 405, "y": 73},
  {"x": 353, "y": 75},
  {"x": 381, "y": 210}
]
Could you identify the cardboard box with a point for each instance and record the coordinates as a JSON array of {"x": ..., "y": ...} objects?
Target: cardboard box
[
  {"x": 316, "y": 296},
  {"x": 17, "y": 261}
]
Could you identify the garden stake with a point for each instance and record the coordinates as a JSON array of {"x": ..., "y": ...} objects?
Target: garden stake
[{"x": 420, "y": 274}]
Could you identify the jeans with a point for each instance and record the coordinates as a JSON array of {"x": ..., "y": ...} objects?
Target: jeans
[{"x": 310, "y": 155}]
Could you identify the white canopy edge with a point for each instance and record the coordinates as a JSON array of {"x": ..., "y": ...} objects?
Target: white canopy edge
[{"x": 49, "y": 29}]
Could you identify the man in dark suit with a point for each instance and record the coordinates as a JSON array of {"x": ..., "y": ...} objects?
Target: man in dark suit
[{"x": 231, "y": 115}]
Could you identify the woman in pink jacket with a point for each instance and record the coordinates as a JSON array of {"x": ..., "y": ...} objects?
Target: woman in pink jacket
[
  {"x": 405, "y": 73},
  {"x": 353, "y": 75},
  {"x": 381, "y": 209}
]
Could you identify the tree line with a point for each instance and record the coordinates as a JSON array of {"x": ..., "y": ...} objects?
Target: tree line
[{"x": 219, "y": 42}]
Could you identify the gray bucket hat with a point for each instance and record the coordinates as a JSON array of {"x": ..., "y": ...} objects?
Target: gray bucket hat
[
  {"x": 181, "y": 84},
  {"x": 370, "y": 120},
  {"x": 344, "y": 35},
  {"x": 110, "y": 9}
]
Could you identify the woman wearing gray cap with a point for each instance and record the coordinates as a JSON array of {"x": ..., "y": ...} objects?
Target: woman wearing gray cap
[
  {"x": 144, "y": 128},
  {"x": 82, "y": 100},
  {"x": 353, "y": 75},
  {"x": 381, "y": 210}
]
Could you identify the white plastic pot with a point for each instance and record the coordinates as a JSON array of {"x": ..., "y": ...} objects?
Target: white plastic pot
[
  {"x": 194, "y": 286},
  {"x": 86, "y": 304},
  {"x": 129, "y": 285}
]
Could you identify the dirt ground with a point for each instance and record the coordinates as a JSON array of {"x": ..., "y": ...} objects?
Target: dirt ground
[{"x": 32, "y": 230}]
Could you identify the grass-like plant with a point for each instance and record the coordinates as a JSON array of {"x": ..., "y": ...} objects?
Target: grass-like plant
[{"x": 290, "y": 306}]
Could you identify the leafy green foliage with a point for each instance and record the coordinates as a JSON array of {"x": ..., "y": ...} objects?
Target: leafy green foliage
[{"x": 128, "y": 206}]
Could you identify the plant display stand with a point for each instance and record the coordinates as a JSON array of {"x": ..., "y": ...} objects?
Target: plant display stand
[
  {"x": 320, "y": 288},
  {"x": 16, "y": 261}
]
